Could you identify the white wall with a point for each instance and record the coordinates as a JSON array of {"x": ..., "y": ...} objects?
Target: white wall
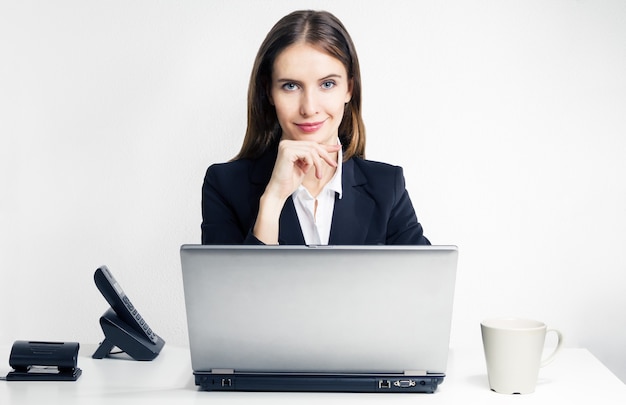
[{"x": 508, "y": 117}]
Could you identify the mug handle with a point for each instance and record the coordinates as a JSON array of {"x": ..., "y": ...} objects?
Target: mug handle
[{"x": 559, "y": 344}]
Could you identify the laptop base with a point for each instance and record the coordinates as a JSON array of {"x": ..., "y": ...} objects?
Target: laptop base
[{"x": 317, "y": 383}]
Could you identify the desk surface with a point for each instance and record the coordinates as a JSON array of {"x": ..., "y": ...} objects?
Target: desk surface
[{"x": 576, "y": 374}]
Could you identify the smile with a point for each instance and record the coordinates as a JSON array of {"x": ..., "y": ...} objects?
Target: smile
[{"x": 310, "y": 127}]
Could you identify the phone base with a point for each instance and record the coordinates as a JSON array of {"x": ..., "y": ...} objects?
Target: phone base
[{"x": 119, "y": 334}]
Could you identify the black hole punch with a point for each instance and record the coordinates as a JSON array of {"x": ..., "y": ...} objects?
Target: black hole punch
[{"x": 44, "y": 361}]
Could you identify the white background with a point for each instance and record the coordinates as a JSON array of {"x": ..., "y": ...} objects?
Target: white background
[{"x": 509, "y": 118}]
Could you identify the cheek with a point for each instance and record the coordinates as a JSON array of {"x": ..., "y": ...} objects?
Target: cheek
[
  {"x": 284, "y": 108},
  {"x": 282, "y": 115},
  {"x": 340, "y": 109}
]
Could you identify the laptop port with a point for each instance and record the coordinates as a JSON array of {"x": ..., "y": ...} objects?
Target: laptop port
[
  {"x": 384, "y": 384},
  {"x": 226, "y": 382},
  {"x": 404, "y": 383}
]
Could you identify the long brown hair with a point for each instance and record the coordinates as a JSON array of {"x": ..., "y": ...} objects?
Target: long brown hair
[{"x": 323, "y": 30}]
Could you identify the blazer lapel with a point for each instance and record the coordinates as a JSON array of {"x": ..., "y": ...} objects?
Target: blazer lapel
[
  {"x": 352, "y": 211},
  {"x": 289, "y": 231}
]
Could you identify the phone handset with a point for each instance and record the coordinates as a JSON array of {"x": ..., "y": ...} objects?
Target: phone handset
[
  {"x": 123, "y": 326},
  {"x": 111, "y": 290}
]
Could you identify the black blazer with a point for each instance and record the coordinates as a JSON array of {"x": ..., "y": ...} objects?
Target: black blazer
[{"x": 375, "y": 208}]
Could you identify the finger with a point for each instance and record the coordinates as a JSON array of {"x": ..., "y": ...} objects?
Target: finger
[
  {"x": 318, "y": 163},
  {"x": 303, "y": 155},
  {"x": 303, "y": 164},
  {"x": 327, "y": 152}
]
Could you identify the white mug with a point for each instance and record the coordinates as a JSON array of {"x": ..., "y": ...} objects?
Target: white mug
[{"x": 513, "y": 349}]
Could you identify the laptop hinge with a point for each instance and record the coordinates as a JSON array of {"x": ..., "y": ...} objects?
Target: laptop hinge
[
  {"x": 414, "y": 373},
  {"x": 222, "y": 371}
]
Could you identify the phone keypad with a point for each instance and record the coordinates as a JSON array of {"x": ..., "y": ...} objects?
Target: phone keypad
[{"x": 144, "y": 325}]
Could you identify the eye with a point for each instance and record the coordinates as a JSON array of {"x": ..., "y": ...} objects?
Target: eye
[
  {"x": 328, "y": 84},
  {"x": 290, "y": 86}
]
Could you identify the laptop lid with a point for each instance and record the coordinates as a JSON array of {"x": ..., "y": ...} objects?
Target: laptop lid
[{"x": 325, "y": 309}]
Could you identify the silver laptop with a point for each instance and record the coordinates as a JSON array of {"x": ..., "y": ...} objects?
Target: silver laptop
[{"x": 325, "y": 318}]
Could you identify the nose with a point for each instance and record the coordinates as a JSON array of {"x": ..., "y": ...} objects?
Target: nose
[{"x": 309, "y": 103}]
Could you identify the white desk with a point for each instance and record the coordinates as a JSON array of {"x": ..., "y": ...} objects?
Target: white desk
[{"x": 575, "y": 376}]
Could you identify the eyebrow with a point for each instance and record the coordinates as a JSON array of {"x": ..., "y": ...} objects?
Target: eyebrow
[{"x": 330, "y": 76}]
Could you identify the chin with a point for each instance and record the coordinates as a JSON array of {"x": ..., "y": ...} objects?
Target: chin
[{"x": 318, "y": 138}]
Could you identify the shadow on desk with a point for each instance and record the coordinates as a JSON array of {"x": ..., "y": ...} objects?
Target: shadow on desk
[
  {"x": 482, "y": 381},
  {"x": 479, "y": 381}
]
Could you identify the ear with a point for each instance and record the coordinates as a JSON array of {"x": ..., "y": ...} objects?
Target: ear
[{"x": 349, "y": 92}]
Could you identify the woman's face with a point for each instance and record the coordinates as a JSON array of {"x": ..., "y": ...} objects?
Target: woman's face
[{"x": 309, "y": 91}]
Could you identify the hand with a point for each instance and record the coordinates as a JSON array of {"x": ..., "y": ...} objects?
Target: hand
[{"x": 295, "y": 159}]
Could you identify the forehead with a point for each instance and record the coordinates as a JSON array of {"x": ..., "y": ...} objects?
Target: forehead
[{"x": 302, "y": 60}]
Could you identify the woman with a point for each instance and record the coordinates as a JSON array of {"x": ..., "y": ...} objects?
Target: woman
[{"x": 300, "y": 176}]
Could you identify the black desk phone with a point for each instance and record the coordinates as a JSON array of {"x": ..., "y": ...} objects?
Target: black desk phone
[{"x": 122, "y": 324}]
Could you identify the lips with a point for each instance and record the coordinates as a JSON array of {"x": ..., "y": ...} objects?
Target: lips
[{"x": 310, "y": 127}]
